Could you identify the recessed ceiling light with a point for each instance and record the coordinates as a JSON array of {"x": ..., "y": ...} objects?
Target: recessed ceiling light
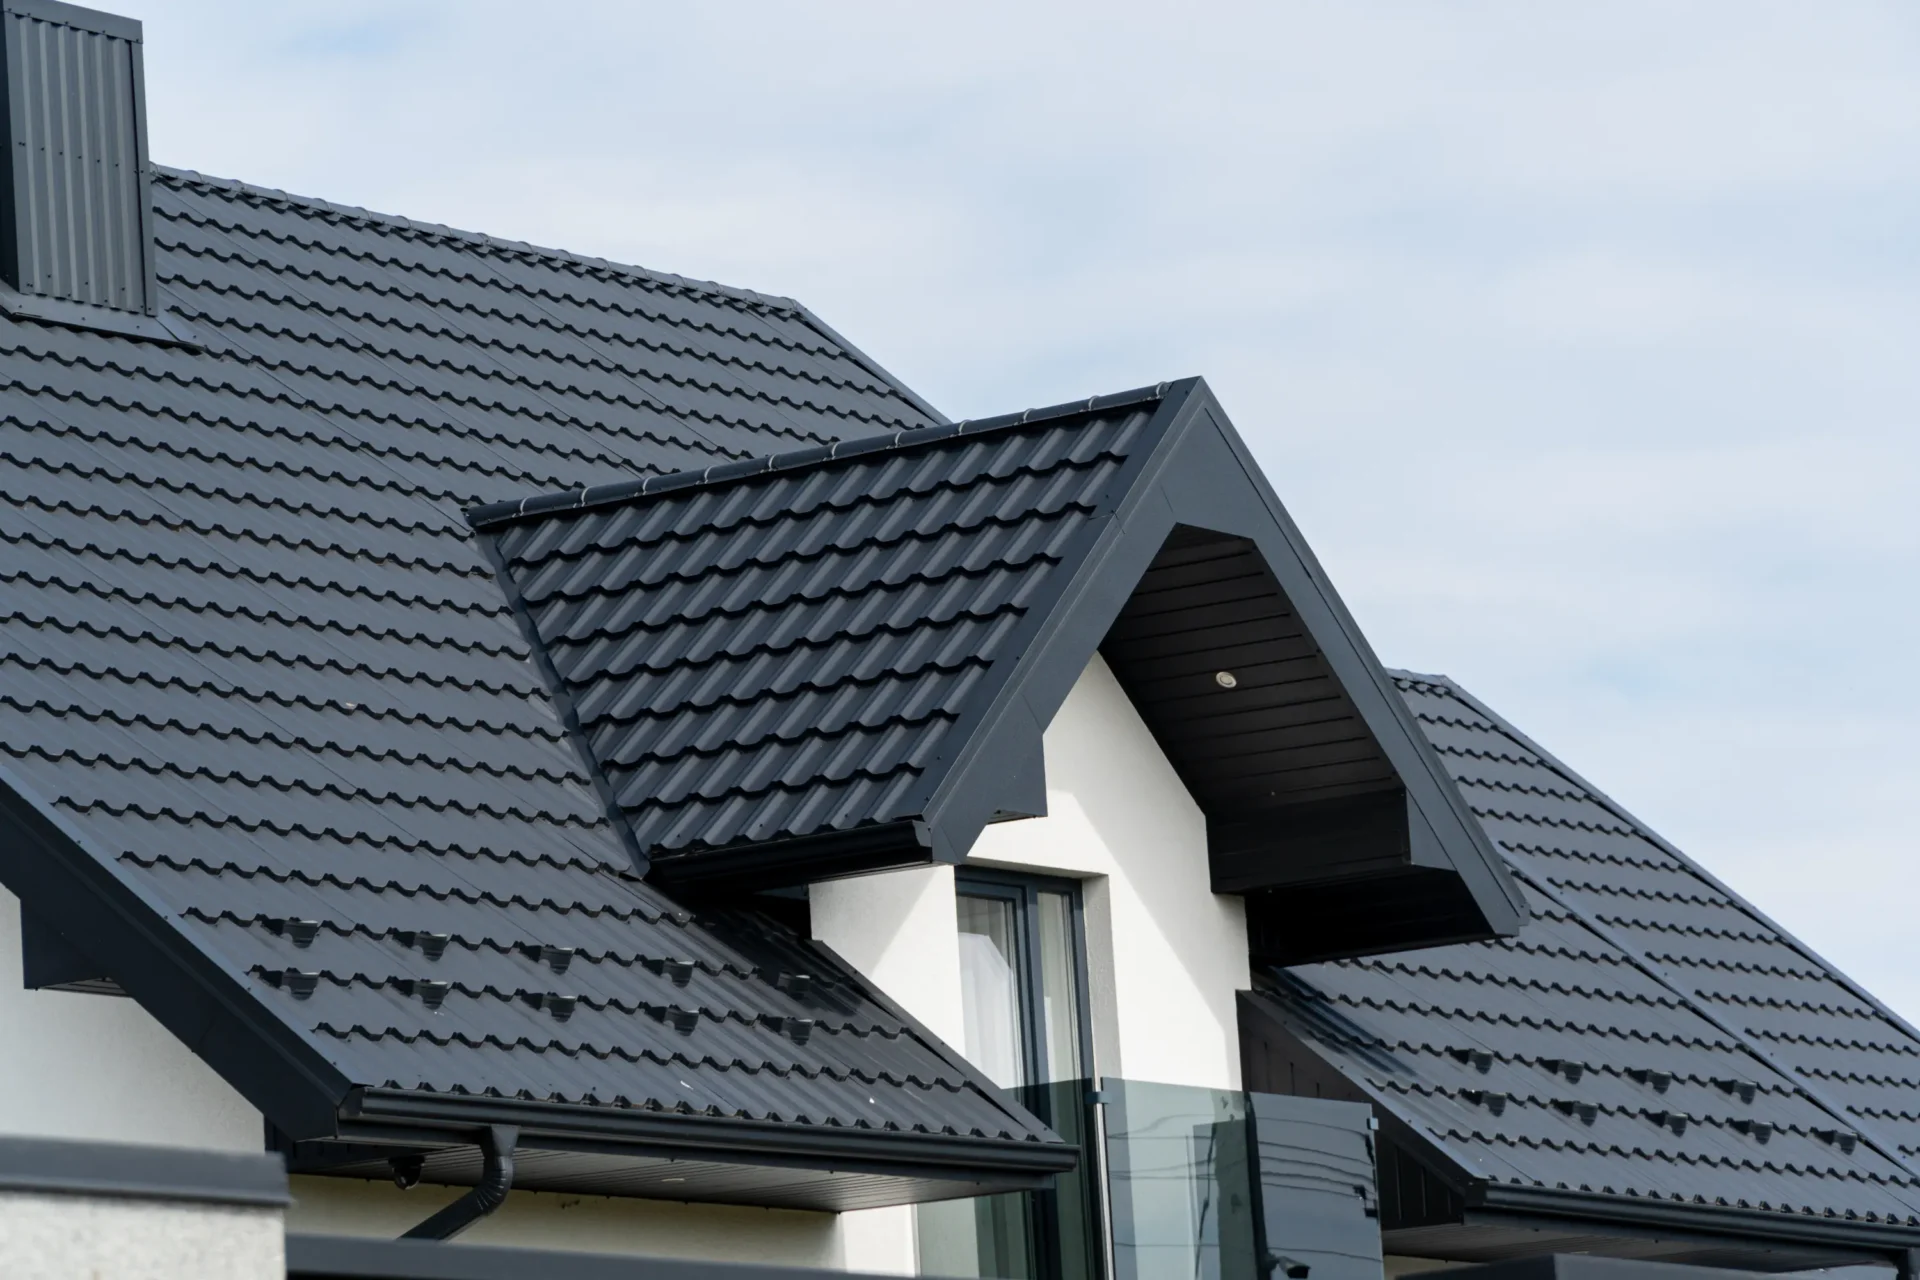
[{"x": 1225, "y": 679}]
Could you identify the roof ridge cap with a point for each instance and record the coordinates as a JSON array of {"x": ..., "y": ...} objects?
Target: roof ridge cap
[
  {"x": 495, "y": 514},
  {"x": 481, "y": 240}
]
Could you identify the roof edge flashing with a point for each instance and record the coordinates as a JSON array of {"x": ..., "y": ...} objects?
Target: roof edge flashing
[
  {"x": 202, "y": 999},
  {"x": 403, "y": 1117}
]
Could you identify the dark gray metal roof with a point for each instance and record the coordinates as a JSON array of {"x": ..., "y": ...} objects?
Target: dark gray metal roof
[
  {"x": 1648, "y": 1041},
  {"x": 276, "y": 756},
  {"x": 843, "y": 658},
  {"x": 773, "y": 655}
]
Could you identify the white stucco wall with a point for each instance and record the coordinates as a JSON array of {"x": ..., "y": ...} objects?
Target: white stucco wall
[
  {"x": 1166, "y": 954},
  {"x": 63, "y": 1237},
  {"x": 100, "y": 1068},
  {"x": 899, "y": 929}
]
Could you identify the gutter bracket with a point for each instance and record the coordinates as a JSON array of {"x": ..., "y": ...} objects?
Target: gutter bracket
[{"x": 496, "y": 1179}]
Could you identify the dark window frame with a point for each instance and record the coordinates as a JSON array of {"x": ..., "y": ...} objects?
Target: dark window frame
[
  {"x": 1046, "y": 1213},
  {"x": 1024, "y": 889}
]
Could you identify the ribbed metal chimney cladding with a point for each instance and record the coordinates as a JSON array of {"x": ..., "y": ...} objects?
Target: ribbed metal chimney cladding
[{"x": 75, "y": 220}]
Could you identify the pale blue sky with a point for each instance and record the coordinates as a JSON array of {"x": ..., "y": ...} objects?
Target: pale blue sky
[{"x": 1579, "y": 338}]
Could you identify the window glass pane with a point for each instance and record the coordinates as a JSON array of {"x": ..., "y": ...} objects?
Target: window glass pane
[
  {"x": 1059, "y": 987},
  {"x": 990, "y": 990}
]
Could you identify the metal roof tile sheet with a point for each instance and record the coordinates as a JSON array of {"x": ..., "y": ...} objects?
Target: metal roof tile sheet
[
  {"x": 250, "y": 652},
  {"x": 1647, "y": 1033}
]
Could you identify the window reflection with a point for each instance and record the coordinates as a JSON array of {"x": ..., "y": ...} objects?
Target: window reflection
[
  {"x": 1023, "y": 1024},
  {"x": 990, "y": 990}
]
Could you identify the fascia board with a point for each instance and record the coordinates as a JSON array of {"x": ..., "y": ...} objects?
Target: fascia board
[
  {"x": 1359, "y": 671},
  {"x": 62, "y": 1166},
  {"x": 202, "y": 999},
  {"x": 414, "y": 1119},
  {"x": 1539, "y": 1206},
  {"x": 1049, "y": 651},
  {"x": 1196, "y": 471},
  {"x": 330, "y": 1257}
]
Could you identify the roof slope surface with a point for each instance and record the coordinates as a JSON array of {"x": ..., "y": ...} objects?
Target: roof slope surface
[
  {"x": 786, "y": 653},
  {"x": 252, "y": 660},
  {"x": 1646, "y": 1035}
]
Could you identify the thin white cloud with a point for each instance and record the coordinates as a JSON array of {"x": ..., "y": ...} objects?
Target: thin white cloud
[{"x": 1579, "y": 337}]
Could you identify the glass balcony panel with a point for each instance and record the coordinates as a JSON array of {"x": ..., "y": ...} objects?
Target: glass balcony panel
[{"x": 1179, "y": 1182}]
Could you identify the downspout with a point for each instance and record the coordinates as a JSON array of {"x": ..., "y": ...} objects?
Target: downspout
[{"x": 496, "y": 1179}]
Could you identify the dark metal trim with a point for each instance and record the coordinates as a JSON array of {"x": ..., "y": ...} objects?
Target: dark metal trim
[
  {"x": 140, "y": 1172},
  {"x": 1595, "y": 1266},
  {"x": 156, "y": 327},
  {"x": 1192, "y": 470},
  {"x": 802, "y": 860},
  {"x": 496, "y": 1180},
  {"x": 210, "y": 1005},
  {"x": 1538, "y": 1205},
  {"x": 346, "y": 1258},
  {"x": 401, "y": 1116},
  {"x": 72, "y": 15}
]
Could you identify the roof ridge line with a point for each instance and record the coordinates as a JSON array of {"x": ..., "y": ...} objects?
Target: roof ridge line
[
  {"x": 496, "y": 514},
  {"x": 481, "y": 239}
]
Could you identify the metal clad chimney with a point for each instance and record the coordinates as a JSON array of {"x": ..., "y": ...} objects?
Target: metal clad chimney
[{"x": 75, "y": 215}]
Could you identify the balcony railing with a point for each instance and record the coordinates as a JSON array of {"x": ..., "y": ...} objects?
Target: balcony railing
[{"x": 1178, "y": 1183}]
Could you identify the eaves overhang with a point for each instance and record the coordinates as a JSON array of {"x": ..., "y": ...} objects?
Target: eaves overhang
[
  {"x": 1520, "y": 1176},
  {"x": 327, "y": 1122}
]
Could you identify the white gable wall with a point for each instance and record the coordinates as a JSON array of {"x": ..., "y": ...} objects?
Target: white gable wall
[
  {"x": 100, "y": 1068},
  {"x": 1165, "y": 954}
]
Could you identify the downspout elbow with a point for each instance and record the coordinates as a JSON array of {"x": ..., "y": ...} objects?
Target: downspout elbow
[{"x": 496, "y": 1179}]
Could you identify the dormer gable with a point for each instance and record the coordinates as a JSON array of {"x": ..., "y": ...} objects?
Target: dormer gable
[{"x": 842, "y": 660}]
